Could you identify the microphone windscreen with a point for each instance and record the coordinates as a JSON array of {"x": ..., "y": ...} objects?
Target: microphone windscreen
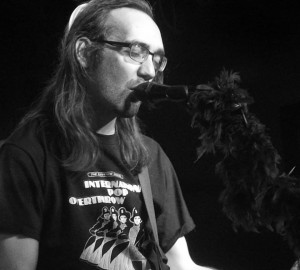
[{"x": 159, "y": 92}]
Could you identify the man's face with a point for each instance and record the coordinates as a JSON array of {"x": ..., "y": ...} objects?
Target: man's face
[{"x": 116, "y": 72}]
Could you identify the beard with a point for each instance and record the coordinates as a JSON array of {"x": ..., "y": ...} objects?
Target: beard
[
  {"x": 112, "y": 102},
  {"x": 131, "y": 107}
]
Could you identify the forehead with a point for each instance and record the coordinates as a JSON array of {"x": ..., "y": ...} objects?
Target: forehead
[{"x": 129, "y": 24}]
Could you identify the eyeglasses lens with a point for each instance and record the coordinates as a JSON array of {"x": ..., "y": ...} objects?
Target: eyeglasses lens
[{"x": 140, "y": 54}]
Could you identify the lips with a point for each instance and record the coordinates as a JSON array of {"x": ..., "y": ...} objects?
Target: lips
[
  {"x": 140, "y": 91},
  {"x": 139, "y": 85}
]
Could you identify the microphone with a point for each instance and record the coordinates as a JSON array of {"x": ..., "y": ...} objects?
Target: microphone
[{"x": 154, "y": 92}]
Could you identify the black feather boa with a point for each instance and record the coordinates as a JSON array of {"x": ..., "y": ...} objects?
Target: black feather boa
[{"x": 256, "y": 193}]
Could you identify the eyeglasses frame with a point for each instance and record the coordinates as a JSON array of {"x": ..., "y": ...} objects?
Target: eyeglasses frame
[{"x": 129, "y": 45}]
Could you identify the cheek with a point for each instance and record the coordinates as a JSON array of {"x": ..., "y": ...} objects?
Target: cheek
[{"x": 118, "y": 70}]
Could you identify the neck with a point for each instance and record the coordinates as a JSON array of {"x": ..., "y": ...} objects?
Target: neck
[{"x": 108, "y": 129}]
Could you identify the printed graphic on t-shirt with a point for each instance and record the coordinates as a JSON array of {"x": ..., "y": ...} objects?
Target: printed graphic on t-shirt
[
  {"x": 116, "y": 190},
  {"x": 117, "y": 232}
]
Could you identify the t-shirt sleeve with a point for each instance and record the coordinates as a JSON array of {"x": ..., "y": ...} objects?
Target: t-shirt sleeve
[
  {"x": 21, "y": 200},
  {"x": 173, "y": 217}
]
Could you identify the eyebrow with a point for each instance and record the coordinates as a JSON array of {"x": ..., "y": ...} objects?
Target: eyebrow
[{"x": 159, "y": 51}]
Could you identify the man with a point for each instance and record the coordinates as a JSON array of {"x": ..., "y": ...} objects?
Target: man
[{"x": 79, "y": 149}]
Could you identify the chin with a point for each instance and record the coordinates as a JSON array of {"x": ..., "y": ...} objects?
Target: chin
[{"x": 131, "y": 110}]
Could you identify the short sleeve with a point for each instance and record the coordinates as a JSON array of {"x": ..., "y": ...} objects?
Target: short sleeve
[
  {"x": 173, "y": 217},
  {"x": 21, "y": 191}
]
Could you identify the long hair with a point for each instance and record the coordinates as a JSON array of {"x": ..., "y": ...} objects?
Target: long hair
[{"x": 65, "y": 101}]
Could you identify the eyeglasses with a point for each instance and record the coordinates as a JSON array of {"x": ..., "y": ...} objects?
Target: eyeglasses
[{"x": 140, "y": 53}]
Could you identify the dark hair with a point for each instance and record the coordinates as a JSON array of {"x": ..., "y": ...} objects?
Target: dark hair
[{"x": 66, "y": 102}]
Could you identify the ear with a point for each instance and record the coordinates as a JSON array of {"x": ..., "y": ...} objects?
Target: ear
[{"x": 81, "y": 53}]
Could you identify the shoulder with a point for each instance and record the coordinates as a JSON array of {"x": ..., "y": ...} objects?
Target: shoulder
[
  {"x": 149, "y": 142},
  {"x": 159, "y": 163},
  {"x": 153, "y": 147},
  {"x": 157, "y": 155},
  {"x": 25, "y": 131},
  {"x": 30, "y": 138},
  {"x": 26, "y": 154}
]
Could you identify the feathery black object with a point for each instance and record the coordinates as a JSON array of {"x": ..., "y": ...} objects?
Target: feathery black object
[{"x": 256, "y": 194}]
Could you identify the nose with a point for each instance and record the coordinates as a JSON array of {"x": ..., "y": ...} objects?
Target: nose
[{"x": 147, "y": 70}]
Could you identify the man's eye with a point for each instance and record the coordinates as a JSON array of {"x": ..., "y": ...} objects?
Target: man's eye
[{"x": 136, "y": 51}]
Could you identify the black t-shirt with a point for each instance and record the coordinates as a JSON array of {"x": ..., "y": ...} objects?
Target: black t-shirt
[{"x": 89, "y": 220}]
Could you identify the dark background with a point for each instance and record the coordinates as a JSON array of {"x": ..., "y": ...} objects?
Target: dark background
[{"x": 258, "y": 39}]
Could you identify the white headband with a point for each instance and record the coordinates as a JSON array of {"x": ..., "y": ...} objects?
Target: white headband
[{"x": 74, "y": 14}]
